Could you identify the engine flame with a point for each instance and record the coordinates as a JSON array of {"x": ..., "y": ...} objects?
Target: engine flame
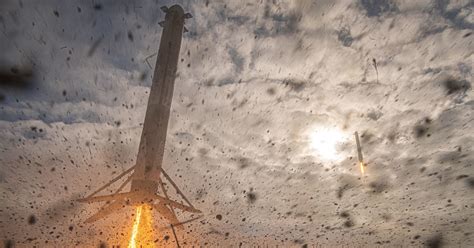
[
  {"x": 136, "y": 223},
  {"x": 142, "y": 230},
  {"x": 362, "y": 167}
]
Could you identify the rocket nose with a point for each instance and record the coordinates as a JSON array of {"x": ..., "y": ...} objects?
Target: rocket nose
[{"x": 177, "y": 9}]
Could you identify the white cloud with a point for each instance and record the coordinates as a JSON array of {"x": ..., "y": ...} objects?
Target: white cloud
[{"x": 261, "y": 76}]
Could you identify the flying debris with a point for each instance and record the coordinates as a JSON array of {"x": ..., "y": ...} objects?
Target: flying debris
[
  {"x": 147, "y": 185},
  {"x": 359, "y": 154}
]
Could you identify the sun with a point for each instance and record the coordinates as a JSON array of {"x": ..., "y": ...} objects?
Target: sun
[{"x": 325, "y": 141}]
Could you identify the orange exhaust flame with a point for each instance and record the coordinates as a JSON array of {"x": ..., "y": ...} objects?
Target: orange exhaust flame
[
  {"x": 136, "y": 223},
  {"x": 362, "y": 167},
  {"x": 142, "y": 230}
]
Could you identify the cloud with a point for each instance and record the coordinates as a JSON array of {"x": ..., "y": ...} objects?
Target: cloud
[{"x": 254, "y": 80}]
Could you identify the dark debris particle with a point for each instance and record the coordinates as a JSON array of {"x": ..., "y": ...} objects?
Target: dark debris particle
[
  {"x": 378, "y": 186},
  {"x": 15, "y": 70},
  {"x": 64, "y": 92},
  {"x": 386, "y": 216},
  {"x": 295, "y": 84},
  {"x": 454, "y": 86},
  {"x": 166, "y": 238},
  {"x": 298, "y": 241},
  {"x": 244, "y": 162},
  {"x": 344, "y": 36},
  {"x": 348, "y": 223},
  {"x": 130, "y": 36},
  {"x": 435, "y": 241},
  {"x": 56, "y": 13},
  {"x": 344, "y": 214},
  {"x": 271, "y": 91},
  {"x": 97, "y": 6},
  {"x": 102, "y": 245},
  {"x": 470, "y": 182},
  {"x": 341, "y": 190},
  {"x": 251, "y": 197},
  {"x": 32, "y": 220},
  {"x": 143, "y": 76},
  {"x": 219, "y": 217},
  {"x": 420, "y": 131},
  {"x": 71, "y": 228},
  {"x": 461, "y": 177},
  {"x": 79, "y": 9}
]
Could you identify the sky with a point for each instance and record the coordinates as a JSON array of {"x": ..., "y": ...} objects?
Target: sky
[{"x": 267, "y": 98}]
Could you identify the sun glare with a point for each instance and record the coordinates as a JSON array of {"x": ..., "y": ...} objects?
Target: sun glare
[{"x": 325, "y": 141}]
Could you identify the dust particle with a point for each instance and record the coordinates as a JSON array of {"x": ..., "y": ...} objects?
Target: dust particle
[{"x": 32, "y": 220}]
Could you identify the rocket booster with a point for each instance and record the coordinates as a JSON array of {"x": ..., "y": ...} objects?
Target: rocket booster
[
  {"x": 146, "y": 180},
  {"x": 359, "y": 149},
  {"x": 360, "y": 158}
]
